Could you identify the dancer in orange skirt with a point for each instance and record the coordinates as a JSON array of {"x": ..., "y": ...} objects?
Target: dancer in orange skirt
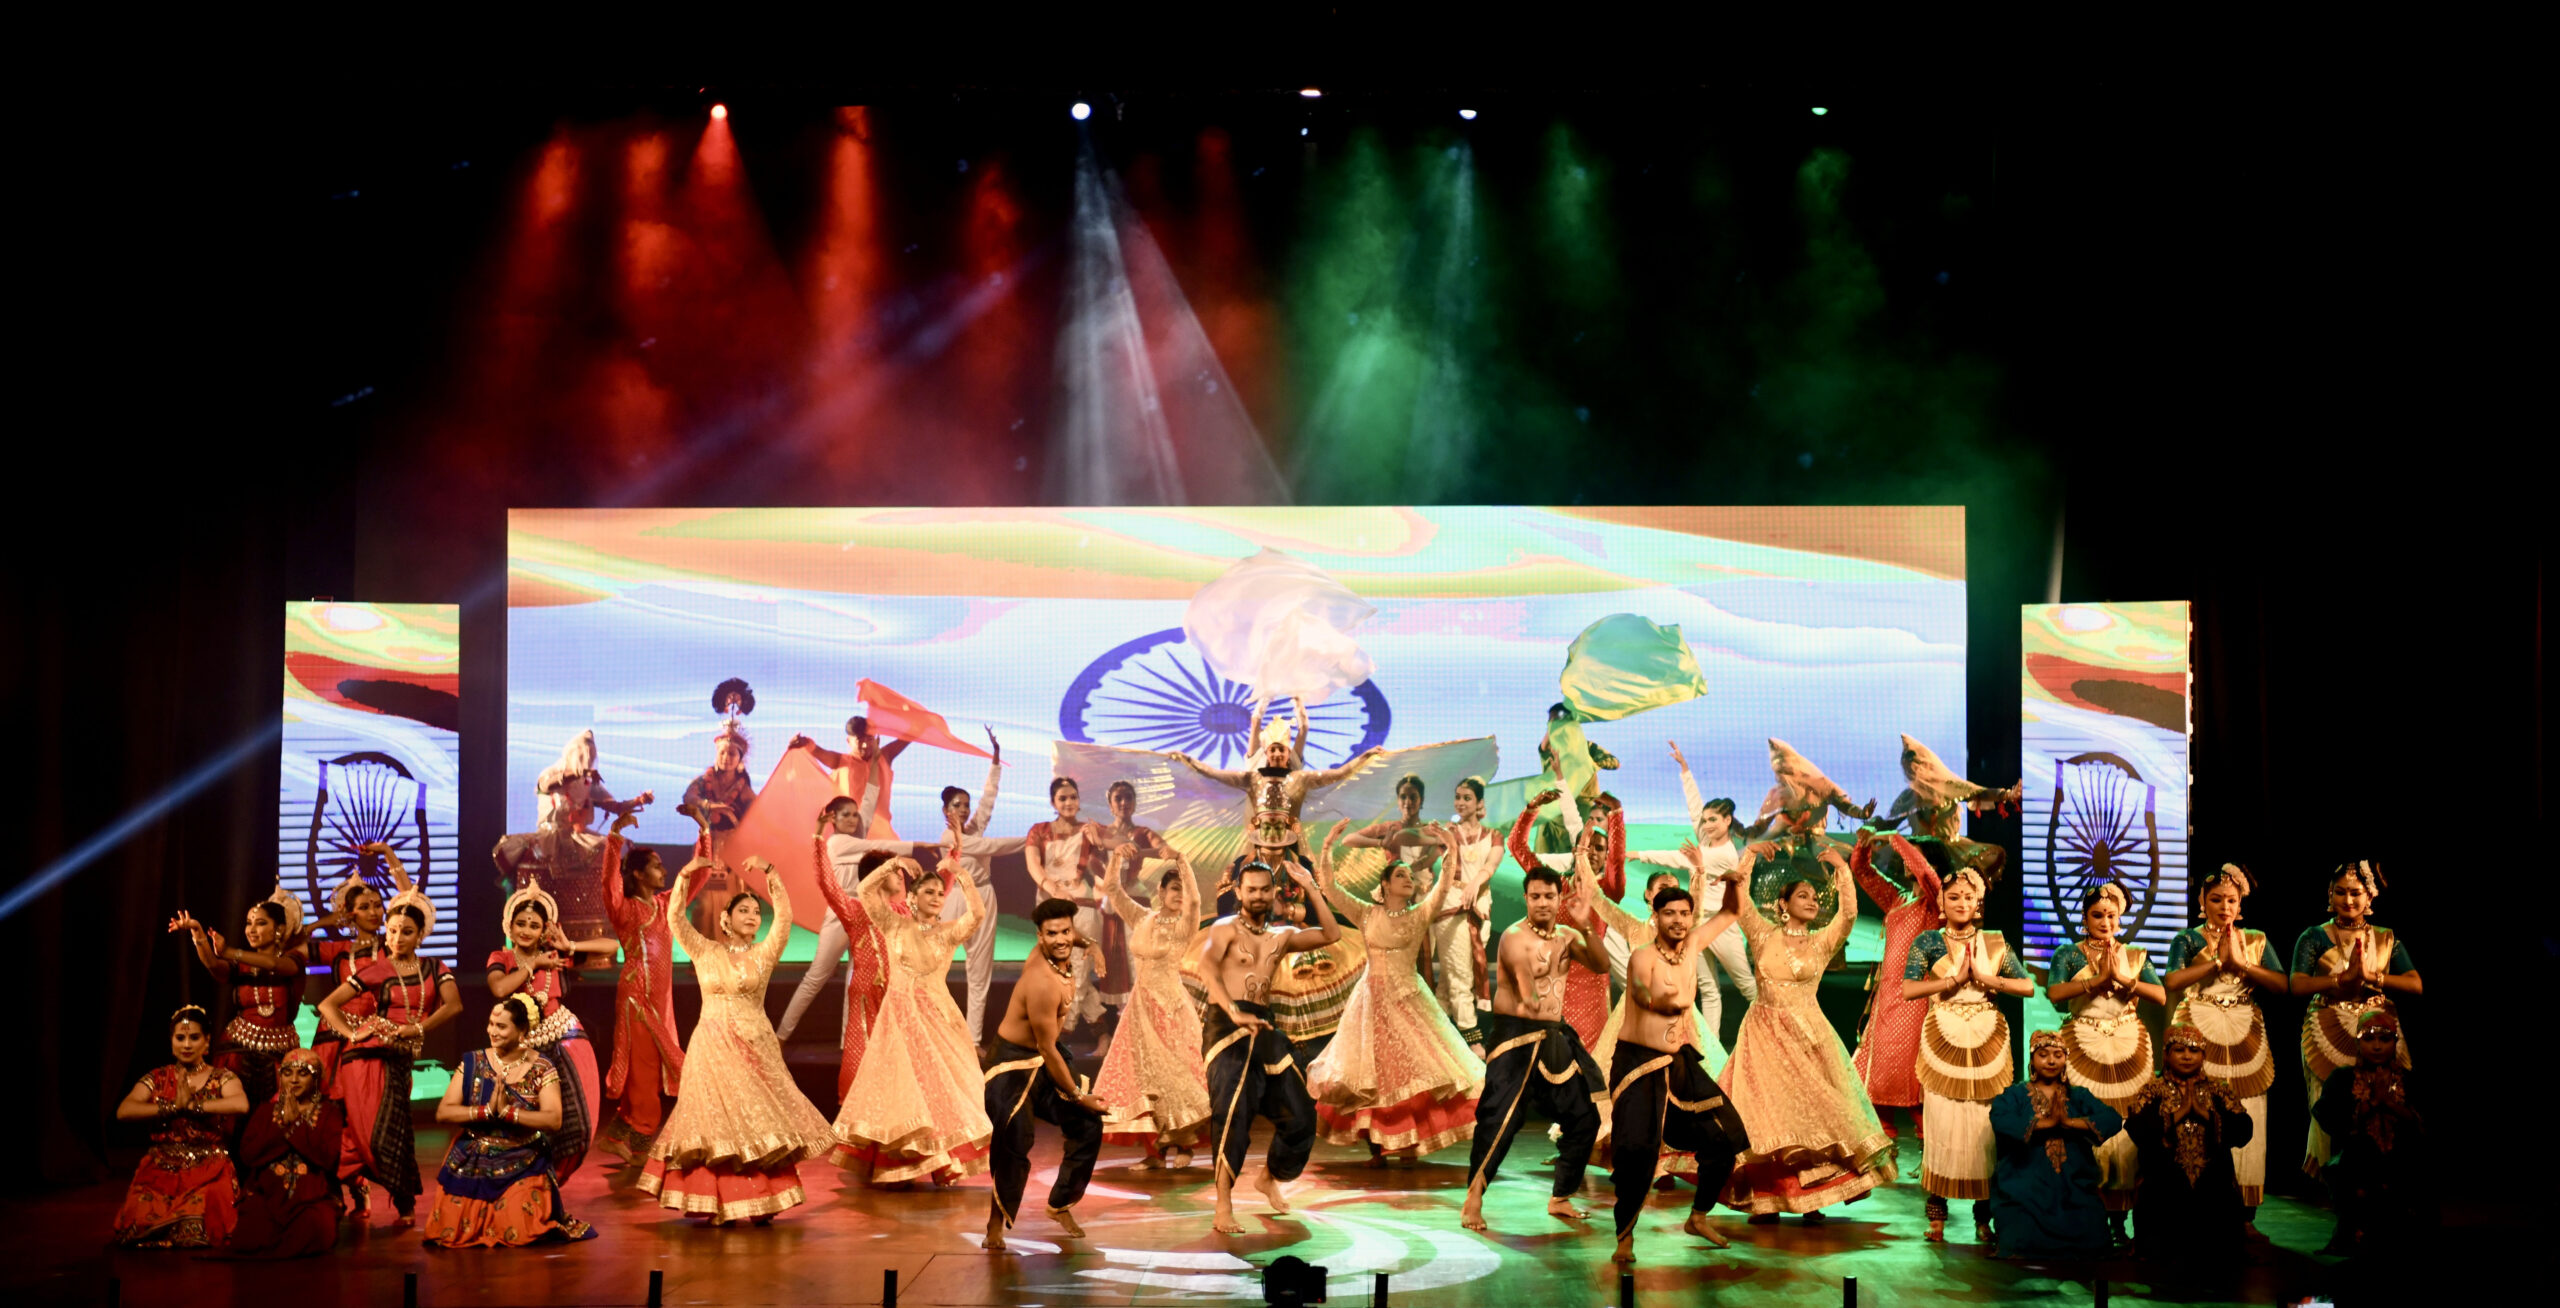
[
  {"x": 182, "y": 1196},
  {"x": 496, "y": 1188}
]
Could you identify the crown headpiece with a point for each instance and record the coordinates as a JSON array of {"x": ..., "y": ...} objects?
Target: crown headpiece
[
  {"x": 417, "y": 899},
  {"x": 531, "y": 892}
]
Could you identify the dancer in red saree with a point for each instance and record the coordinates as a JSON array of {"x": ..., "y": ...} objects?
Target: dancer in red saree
[
  {"x": 182, "y": 1197},
  {"x": 288, "y": 1165},
  {"x": 648, "y": 1059},
  {"x": 407, "y": 996},
  {"x": 264, "y": 973}
]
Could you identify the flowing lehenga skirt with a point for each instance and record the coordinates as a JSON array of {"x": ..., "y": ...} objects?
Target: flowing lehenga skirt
[
  {"x": 1396, "y": 1075},
  {"x": 918, "y": 1106},
  {"x": 733, "y": 1145},
  {"x": 1152, "y": 1085},
  {"x": 1815, "y": 1140}
]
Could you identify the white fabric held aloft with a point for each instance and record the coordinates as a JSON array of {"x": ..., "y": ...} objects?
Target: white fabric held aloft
[{"x": 1282, "y": 626}]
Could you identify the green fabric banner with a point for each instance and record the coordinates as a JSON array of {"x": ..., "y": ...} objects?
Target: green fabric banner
[{"x": 1622, "y": 665}]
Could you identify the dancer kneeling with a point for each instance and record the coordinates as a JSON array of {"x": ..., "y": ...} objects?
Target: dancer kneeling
[
  {"x": 1536, "y": 1062},
  {"x": 733, "y": 1146},
  {"x": 1027, "y": 1082},
  {"x": 288, "y": 1162},
  {"x": 1252, "y": 1066},
  {"x": 498, "y": 1185},
  {"x": 184, "y": 1195},
  {"x": 1662, "y": 1094},
  {"x": 2044, "y": 1190}
]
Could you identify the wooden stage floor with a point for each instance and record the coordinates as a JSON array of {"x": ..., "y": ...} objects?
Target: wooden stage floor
[{"x": 1148, "y": 1243}]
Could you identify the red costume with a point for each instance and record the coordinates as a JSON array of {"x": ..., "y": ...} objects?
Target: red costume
[
  {"x": 182, "y": 1196},
  {"x": 288, "y": 1183},
  {"x": 1888, "y": 1057},
  {"x": 373, "y": 1075},
  {"x": 867, "y": 976},
  {"x": 647, "y": 1057},
  {"x": 263, "y": 1006}
]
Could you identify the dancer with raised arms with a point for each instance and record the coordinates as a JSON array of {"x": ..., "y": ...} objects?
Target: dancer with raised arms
[
  {"x": 1537, "y": 1063},
  {"x": 648, "y": 1058},
  {"x": 1253, "y": 1069},
  {"x": 264, "y": 974},
  {"x": 1888, "y": 1057},
  {"x": 1152, "y": 1084},
  {"x": 842, "y": 855},
  {"x": 1028, "y": 1082},
  {"x": 916, "y": 1109},
  {"x": 1276, "y": 792},
  {"x": 1660, "y": 1093}
]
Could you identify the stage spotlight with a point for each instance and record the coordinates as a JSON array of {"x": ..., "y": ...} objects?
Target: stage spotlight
[
  {"x": 1079, "y": 111},
  {"x": 1311, "y": 93},
  {"x": 1302, "y": 131},
  {"x": 1468, "y": 114},
  {"x": 719, "y": 111},
  {"x": 1819, "y": 111}
]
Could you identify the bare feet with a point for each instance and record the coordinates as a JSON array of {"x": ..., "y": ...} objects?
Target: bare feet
[
  {"x": 1471, "y": 1217},
  {"x": 1816, "y": 1218},
  {"x": 1223, "y": 1221},
  {"x": 994, "y": 1243},
  {"x": 1177, "y": 1159},
  {"x": 1066, "y": 1220},
  {"x": 1937, "y": 1231},
  {"x": 1697, "y": 1225},
  {"x": 1626, "y": 1253},
  {"x": 1564, "y": 1210},
  {"x": 1270, "y": 1187}
]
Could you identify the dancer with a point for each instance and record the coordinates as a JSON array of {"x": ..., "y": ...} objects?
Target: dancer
[
  {"x": 540, "y": 961},
  {"x": 2379, "y": 1172},
  {"x": 1660, "y": 1094},
  {"x": 648, "y": 1059},
  {"x": 1538, "y": 1061},
  {"x": 1405, "y": 836},
  {"x": 1465, "y": 916},
  {"x": 2217, "y": 967},
  {"x": 1064, "y": 857},
  {"x": 1027, "y": 1082},
  {"x": 1252, "y": 1066},
  {"x": 723, "y": 792},
  {"x": 264, "y": 973},
  {"x": 1276, "y": 792},
  {"x": 1888, "y": 1058},
  {"x": 2044, "y": 1190},
  {"x": 1964, "y": 1047},
  {"x": 2189, "y": 1128},
  {"x": 1795, "y": 808},
  {"x": 2098, "y": 982},
  {"x": 1152, "y": 1087},
  {"x": 405, "y": 997},
  {"x": 355, "y": 911},
  {"x": 977, "y": 856},
  {"x": 496, "y": 1188},
  {"x": 288, "y": 1166},
  {"x": 1601, "y": 844},
  {"x": 2350, "y": 968},
  {"x": 1934, "y": 803},
  {"x": 1815, "y": 1140},
  {"x": 918, "y": 1105},
  {"x": 1397, "y": 1075},
  {"x": 866, "y": 768},
  {"x": 1313, "y": 986},
  {"x": 1556, "y": 832},
  {"x": 1711, "y": 821},
  {"x": 733, "y": 1146},
  {"x": 843, "y": 856},
  {"x": 183, "y": 1194}
]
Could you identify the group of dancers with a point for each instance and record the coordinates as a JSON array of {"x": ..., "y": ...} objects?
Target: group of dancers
[{"x": 1399, "y": 1020}]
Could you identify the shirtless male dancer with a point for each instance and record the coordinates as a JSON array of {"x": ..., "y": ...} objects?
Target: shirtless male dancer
[
  {"x": 1662, "y": 1093},
  {"x": 1252, "y": 1066},
  {"x": 1535, "y": 1060},
  {"x": 1028, "y": 1082}
]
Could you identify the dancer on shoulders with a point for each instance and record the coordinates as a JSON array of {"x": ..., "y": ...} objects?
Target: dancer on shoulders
[
  {"x": 497, "y": 1188},
  {"x": 1888, "y": 1059},
  {"x": 917, "y": 1107},
  {"x": 733, "y": 1146},
  {"x": 1661, "y": 1096},
  {"x": 2217, "y": 968},
  {"x": 1396, "y": 1076},
  {"x": 865, "y": 772},
  {"x": 264, "y": 973},
  {"x": 648, "y": 1059},
  {"x": 540, "y": 961},
  {"x": 1815, "y": 1140},
  {"x": 183, "y": 1195},
  {"x": 1152, "y": 1085},
  {"x": 2189, "y": 1128},
  {"x": 1276, "y": 792},
  {"x": 2044, "y": 1190},
  {"x": 1964, "y": 1047},
  {"x": 288, "y": 1164},
  {"x": 1538, "y": 1063},
  {"x": 1252, "y": 1066},
  {"x": 403, "y": 998},
  {"x": 2108, "y": 1050},
  {"x": 1028, "y": 1082},
  {"x": 2350, "y": 968}
]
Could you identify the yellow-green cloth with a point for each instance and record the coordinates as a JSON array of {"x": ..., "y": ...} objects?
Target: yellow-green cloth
[{"x": 1620, "y": 666}]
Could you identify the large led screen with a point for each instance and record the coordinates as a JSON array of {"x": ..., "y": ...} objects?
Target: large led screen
[{"x": 1833, "y": 629}]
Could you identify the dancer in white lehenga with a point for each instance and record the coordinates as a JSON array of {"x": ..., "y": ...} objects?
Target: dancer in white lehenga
[
  {"x": 918, "y": 1104},
  {"x": 1397, "y": 1074},
  {"x": 1153, "y": 1087}
]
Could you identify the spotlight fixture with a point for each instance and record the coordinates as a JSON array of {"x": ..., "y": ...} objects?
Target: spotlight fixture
[
  {"x": 1310, "y": 93},
  {"x": 1302, "y": 131},
  {"x": 719, "y": 111},
  {"x": 1819, "y": 111},
  {"x": 1468, "y": 114},
  {"x": 1079, "y": 111}
]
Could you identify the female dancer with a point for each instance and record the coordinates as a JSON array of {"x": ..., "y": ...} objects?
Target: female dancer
[
  {"x": 647, "y": 1057},
  {"x": 1815, "y": 1140},
  {"x": 355, "y": 911},
  {"x": 264, "y": 972},
  {"x": 407, "y": 997},
  {"x": 182, "y": 1195},
  {"x": 1888, "y": 1058},
  {"x": 1463, "y": 923},
  {"x": 538, "y": 962},
  {"x": 1064, "y": 856},
  {"x": 1153, "y": 1086},
  {"x": 2108, "y": 1050},
  {"x": 496, "y": 1187},
  {"x": 1964, "y": 1048},
  {"x": 2189, "y": 1128},
  {"x": 918, "y": 1106},
  {"x": 734, "y": 1144},
  {"x": 2349, "y": 967},
  {"x": 2045, "y": 1189},
  {"x": 289, "y": 1167},
  {"x": 1397, "y": 1074},
  {"x": 2216, "y": 968}
]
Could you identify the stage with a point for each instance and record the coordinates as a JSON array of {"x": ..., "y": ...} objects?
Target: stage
[{"x": 1148, "y": 1242}]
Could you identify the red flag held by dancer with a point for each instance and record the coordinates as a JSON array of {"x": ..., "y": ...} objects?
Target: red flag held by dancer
[{"x": 893, "y": 714}]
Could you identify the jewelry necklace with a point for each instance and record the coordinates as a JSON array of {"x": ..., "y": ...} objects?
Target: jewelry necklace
[
  {"x": 1065, "y": 973},
  {"x": 1547, "y": 932}
]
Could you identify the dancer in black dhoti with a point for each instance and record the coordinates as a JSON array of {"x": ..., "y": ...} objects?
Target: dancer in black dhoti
[
  {"x": 1252, "y": 1066},
  {"x": 1534, "y": 1061}
]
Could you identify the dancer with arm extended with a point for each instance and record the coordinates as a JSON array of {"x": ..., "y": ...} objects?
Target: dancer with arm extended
[
  {"x": 865, "y": 771},
  {"x": 264, "y": 973},
  {"x": 1252, "y": 1066},
  {"x": 917, "y": 1107},
  {"x": 1888, "y": 1057},
  {"x": 2349, "y": 967},
  {"x": 1396, "y": 1076},
  {"x": 648, "y": 1058},
  {"x": 2216, "y": 968},
  {"x": 1064, "y": 858},
  {"x": 405, "y": 997},
  {"x": 183, "y": 1194},
  {"x": 1964, "y": 1047},
  {"x": 1661, "y": 1097},
  {"x": 497, "y": 1188},
  {"x": 1601, "y": 845},
  {"x": 1152, "y": 1085},
  {"x": 1537, "y": 1063},
  {"x": 1465, "y": 914},
  {"x": 2107, "y": 1050},
  {"x": 1028, "y": 1082},
  {"x": 841, "y": 851},
  {"x": 1711, "y": 821},
  {"x": 977, "y": 853},
  {"x": 1815, "y": 1140},
  {"x": 1276, "y": 792}
]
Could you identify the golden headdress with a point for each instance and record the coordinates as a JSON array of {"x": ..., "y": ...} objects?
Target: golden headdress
[
  {"x": 531, "y": 892},
  {"x": 2040, "y": 1039},
  {"x": 292, "y": 907},
  {"x": 1932, "y": 781},
  {"x": 415, "y": 898}
]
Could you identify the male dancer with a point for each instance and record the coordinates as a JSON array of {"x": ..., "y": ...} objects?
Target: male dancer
[
  {"x": 1028, "y": 1083},
  {"x": 1252, "y": 1066},
  {"x": 1064, "y": 857},
  {"x": 1663, "y": 1095},
  {"x": 865, "y": 766},
  {"x": 1537, "y": 1061},
  {"x": 1276, "y": 793}
]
